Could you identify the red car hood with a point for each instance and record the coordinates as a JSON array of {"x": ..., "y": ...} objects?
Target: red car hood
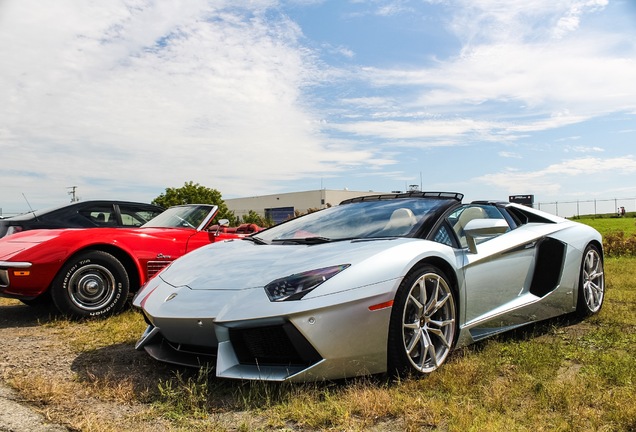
[{"x": 15, "y": 244}]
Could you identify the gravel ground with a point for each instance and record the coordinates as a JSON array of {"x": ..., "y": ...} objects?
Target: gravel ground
[
  {"x": 57, "y": 384},
  {"x": 26, "y": 348},
  {"x": 16, "y": 416}
]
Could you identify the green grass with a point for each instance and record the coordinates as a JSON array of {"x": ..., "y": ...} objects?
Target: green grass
[
  {"x": 610, "y": 224},
  {"x": 619, "y": 234}
]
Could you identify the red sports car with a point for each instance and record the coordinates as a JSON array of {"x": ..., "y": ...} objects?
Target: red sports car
[{"x": 89, "y": 272}]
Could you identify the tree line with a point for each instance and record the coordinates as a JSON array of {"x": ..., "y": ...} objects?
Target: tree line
[{"x": 194, "y": 193}]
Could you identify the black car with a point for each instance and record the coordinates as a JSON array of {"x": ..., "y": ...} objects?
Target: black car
[{"x": 82, "y": 214}]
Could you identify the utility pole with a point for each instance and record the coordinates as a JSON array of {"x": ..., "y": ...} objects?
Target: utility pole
[{"x": 72, "y": 193}]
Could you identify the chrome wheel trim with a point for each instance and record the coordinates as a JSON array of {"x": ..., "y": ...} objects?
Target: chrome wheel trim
[
  {"x": 428, "y": 322},
  {"x": 593, "y": 280},
  {"x": 92, "y": 287}
]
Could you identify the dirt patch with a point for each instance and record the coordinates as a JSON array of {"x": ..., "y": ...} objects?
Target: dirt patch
[
  {"x": 106, "y": 389},
  {"x": 57, "y": 381}
]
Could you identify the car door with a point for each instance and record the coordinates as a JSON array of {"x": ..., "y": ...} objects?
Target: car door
[{"x": 498, "y": 276}]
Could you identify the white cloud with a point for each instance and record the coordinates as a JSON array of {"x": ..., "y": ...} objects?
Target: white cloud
[
  {"x": 549, "y": 180},
  {"x": 111, "y": 95},
  {"x": 512, "y": 77},
  {"x": 509, "y": 155},
  {"x": 440, "y": 132},
  {"x": 583, "y": 149}
]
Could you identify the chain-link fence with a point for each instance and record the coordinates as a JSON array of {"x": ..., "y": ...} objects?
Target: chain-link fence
[{"x": 588, "y": 207}]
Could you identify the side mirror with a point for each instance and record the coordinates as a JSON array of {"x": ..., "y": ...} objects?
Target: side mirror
[
  {"x": 477, "y": 228},
  {"x": 221, "y": 223}
]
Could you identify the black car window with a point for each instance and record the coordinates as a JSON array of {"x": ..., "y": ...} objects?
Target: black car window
[{"x": 100, "y": 215}]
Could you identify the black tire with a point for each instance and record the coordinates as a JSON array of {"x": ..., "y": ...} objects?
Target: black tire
[
  {"x": 423, "y": 326},
  {"x": 90, "y": 285},
  {"x": 591, "y": 290}
]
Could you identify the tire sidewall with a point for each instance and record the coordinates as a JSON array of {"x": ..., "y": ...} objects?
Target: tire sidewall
[{"x": 61, "y": 286}]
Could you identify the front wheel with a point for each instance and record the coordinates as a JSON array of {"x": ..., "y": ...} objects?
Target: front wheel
[
  {"x": 90, "y": 285},
  {"x": 592, "y": 284},
  {"x": 423, "y": 323}
]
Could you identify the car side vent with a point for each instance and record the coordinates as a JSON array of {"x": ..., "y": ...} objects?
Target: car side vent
[
  {"x": 547, "y": 272},
  {"x": 155, "y": 267},
  {"x": 281, "y": 345}
]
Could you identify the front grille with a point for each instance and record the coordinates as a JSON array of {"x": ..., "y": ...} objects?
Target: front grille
[
  {"x": 273, "y": 345},
  {"x": 155, "y": 267}
]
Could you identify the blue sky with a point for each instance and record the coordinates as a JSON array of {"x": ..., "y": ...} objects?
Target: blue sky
[{"x": 486, "y": 97}]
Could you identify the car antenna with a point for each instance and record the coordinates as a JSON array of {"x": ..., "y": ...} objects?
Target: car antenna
[{"x": 30, "y": 208}]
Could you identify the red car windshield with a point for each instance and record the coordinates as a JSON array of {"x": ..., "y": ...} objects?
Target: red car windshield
[{"x": 186, "y": 216}]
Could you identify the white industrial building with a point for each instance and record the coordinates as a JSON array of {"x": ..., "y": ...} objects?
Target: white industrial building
[{"x": 279, "y": 207}]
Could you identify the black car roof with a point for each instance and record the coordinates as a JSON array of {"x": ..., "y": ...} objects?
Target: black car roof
[
  {"x": 30, "y": 215},
  {"x": 413, "y": 194}
]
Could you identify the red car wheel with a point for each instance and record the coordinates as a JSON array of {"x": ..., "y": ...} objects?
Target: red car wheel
[{"x": 90, "y": 285}]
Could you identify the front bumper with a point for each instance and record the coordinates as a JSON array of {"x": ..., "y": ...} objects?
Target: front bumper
[
  {"x": 10, "y": 270},
  {"x": 245, "y": 336}
]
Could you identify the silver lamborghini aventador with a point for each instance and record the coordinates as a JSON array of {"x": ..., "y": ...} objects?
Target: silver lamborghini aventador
[{"x": 378, "y": 284}]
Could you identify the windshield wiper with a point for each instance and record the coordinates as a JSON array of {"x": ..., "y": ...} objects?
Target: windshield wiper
[
  {"x": 304, "y": 240},
  {"x": 255, "y": 239}
]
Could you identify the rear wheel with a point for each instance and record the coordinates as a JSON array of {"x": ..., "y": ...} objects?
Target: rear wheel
[
  {"x": 91, "y": 284},
  {"x": 423, "y": 323},
  {"x": 592, "y": 284}
]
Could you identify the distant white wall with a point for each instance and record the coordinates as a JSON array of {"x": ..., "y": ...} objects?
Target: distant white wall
[{"x": 301, "y": 201}]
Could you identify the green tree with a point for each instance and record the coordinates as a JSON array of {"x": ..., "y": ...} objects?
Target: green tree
[
  {"x": 194, "y": 193},
  {"x": 255, "y": 218}
]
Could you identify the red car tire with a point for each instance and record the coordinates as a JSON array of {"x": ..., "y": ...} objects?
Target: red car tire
[{"x": 91, "y": 285}]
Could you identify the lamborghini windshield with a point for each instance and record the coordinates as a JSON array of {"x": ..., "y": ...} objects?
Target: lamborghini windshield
[{"x": 357, "y": 220}]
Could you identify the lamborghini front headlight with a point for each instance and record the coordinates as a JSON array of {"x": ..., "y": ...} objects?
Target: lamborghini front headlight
[{"x": 296, "y": 286}]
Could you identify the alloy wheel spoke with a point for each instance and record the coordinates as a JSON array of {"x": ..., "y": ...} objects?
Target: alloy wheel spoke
[
  {"x": 423, "y": 294},
  {"x": 415, "y": 340},
  {"x": 443, "y": 323},
  {"x": 419, "y": 306},
  {"x": 433, "y": 299},
  {"x": 412, "y": 326},
  {"x": 440, "y": 335},
  {"x": 435, "y": 305},
  {"x": 430, "y": 349}
]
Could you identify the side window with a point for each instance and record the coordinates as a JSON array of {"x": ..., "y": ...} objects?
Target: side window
[
  {"x": 443, "y": 236},
  {"x": 100, "y": 215},
  {"x": 134, "y": 216},
  {"x": 459, "y": 218}
]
